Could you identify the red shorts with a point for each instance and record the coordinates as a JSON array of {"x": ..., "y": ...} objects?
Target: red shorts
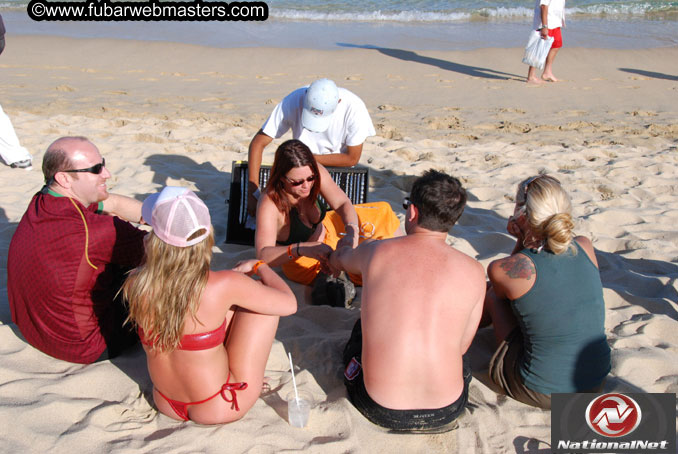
[{"x": 557, "y": 38}]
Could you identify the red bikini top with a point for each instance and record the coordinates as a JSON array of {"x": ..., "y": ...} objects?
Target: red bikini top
[{"x": 193, "y": 342}]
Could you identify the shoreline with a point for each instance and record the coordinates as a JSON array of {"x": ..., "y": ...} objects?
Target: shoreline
[{"x": 333, "y": 35}]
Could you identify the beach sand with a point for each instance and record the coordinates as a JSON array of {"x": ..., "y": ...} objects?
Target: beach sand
[{"x": 164, "y": 113}]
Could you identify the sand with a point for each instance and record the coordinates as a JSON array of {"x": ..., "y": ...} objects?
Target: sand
[{"x": 165, "y": 113}]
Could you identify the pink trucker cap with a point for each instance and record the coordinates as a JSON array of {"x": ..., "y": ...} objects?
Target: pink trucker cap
[
  {"x": 175, "y": 214},
  {"x": 320, "y": 102}
]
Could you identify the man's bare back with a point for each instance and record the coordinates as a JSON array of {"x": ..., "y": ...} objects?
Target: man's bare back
[
  {"x": 420, "y": 308},
  {"x": 421, "y": 304}
]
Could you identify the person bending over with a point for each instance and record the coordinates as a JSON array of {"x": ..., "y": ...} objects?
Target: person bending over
[{"x": 333, "y": 122}]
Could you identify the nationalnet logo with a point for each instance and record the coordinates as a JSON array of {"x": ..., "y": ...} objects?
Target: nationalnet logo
[
  {"x": 613, "y": 415},
  {"x": 614, "y": 422}
]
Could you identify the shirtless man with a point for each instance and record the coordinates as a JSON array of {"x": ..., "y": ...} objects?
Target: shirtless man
[{"x": 421, "y": 304}]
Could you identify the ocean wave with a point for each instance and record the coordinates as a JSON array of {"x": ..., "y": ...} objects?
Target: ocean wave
[
  {"x": 369, "y": 16},
  {"x": 620, "y": 10}
]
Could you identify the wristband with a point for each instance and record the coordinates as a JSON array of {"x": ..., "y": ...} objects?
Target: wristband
[
  {"x": 289, "y": 252},
  {"x": 257, "y": 265},
  {"x": 298, "y": 254}
]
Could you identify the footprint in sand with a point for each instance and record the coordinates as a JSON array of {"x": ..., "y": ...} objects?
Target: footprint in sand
[
  {"x": 67, "y": 88},
  {"x": 450, "y": 122},
  {"x": 388, "y": 132},
  {"x": 354, "y": 78},
  {"x": 643, "y": 113},
  {"x": 148, "y": 138},
  {"x": 388, "y": 107}
]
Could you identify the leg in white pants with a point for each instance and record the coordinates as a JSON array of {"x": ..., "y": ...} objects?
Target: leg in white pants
[{"x": 10, "y": 149}]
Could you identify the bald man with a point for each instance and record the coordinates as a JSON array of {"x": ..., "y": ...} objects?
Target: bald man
[{"x": 68, "y": 257}]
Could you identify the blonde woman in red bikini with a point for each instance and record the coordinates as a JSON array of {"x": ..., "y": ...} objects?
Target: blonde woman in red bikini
[{"x": 207, "y": 334}]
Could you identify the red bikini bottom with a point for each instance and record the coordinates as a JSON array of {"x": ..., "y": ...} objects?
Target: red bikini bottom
[{"x": 181, "y": 408}]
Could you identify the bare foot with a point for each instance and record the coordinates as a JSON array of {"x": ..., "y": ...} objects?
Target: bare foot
[
  {"x": 534, "y": 81},
  {"x": 549, "y": 78}
]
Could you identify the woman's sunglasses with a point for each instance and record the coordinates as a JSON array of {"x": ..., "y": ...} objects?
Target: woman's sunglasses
[
  {"x": 95, "y": 169},
  {"x": 300, "y": 182}
]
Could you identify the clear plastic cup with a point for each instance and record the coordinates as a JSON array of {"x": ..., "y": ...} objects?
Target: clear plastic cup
[{"x": 298, "y": 410}]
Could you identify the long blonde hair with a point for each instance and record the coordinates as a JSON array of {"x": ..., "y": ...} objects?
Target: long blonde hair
[
  {"x": 166, "y": 287},
  {"x": 549, "y": 213}
]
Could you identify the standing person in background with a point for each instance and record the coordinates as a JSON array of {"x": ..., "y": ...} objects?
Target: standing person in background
[
  {"x": 549, "y": 18},
  {"x": 332, "y": 122},
  {"x": 11, "y": 151}
]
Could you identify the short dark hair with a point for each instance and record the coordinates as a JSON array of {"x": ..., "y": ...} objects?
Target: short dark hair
[
  {"x": 440, "y": 200},
  {"x": 56, "y": 158}
]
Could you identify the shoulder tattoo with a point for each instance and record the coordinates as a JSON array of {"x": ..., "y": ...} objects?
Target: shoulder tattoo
[{"x": 518, "y": 267}]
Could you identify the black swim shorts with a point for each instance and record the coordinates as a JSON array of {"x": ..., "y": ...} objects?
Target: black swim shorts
[{"x": 424, "y": 420}]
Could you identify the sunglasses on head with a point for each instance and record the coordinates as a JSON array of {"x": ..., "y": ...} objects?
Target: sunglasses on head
[
  {"x": 300, "y": 182},
  {"x": 95, "y": 169},
  {"x": 521, "y": 197},
  {"x": 406, "y": 203}
]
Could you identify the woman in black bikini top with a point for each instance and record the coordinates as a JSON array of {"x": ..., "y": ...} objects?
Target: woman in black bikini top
[{"x": 290, "y": 214}]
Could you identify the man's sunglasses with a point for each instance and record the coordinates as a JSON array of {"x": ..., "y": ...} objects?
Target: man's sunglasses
[
  {"x": 521, "y": 197},
  {"x": 95, "y": 169},
  {"x": 406, "y": 203},
  {"x": 300, "y": 182}
]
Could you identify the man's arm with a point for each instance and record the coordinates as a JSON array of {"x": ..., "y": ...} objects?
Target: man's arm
[
  {"x": 544, "y": 21},
  {"x": 256, "y": 151},
  {"x": 123, "y": 207},
  {"x": 348, "y": 159},
  {"x": 351, "y": 260}
]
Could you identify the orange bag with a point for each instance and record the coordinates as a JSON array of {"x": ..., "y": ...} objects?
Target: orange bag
[{"x": 377, "y": 221}]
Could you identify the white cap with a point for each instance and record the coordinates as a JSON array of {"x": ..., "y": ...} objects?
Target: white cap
[
  {"x": 176, "y": 214},
  {"x": 320, "y": 102}
]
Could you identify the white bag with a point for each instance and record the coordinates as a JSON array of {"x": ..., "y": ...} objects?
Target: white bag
[{"x": 537, "y": 49}]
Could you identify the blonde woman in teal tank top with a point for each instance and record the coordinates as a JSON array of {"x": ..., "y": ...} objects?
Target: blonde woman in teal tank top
[{"x": 545, "y": 302}]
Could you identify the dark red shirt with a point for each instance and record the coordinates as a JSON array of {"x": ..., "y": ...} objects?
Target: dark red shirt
[{"x": 63, "y": 271}]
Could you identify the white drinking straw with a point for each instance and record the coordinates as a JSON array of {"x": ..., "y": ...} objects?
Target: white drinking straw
[{"x": 294, "y": 380}]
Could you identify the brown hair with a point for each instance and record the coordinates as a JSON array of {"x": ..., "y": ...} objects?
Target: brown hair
[
  {"x": 440, "y": 199},
  {"x": 289, "y": 155}
]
